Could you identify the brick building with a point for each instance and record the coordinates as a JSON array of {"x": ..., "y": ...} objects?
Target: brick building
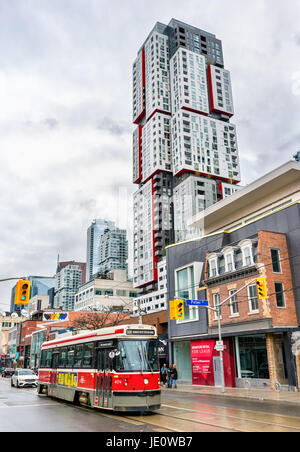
[
  {"x": 262, "y": 353},
  {"x": 254, "y": 232}
]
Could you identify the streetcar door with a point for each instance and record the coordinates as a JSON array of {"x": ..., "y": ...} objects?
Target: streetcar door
[
  {"x": 100, "y": 376},
  {"x": 107, "y": 388},
  {"x": 53, "y": 377},
  {"x": 104, "y": 379}
]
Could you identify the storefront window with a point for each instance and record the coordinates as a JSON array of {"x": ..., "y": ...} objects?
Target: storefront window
[
  {"x": 182, "y": 359},
  {"x": 252, "y": 359}
]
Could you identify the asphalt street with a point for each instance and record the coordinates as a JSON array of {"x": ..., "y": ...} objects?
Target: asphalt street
[{"x": 22, "y": 410}]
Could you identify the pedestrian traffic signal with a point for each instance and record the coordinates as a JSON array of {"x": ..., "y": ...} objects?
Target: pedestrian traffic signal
[
  {"x": 179, "y": 309},
  {"x": 22, "y": 294},
  {"x": 261, "y": 288}
]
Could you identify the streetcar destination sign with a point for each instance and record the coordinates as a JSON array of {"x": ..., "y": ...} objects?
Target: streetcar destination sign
[
  {"x": 140, "y": 332},
  {"x": 197, "y": 302}
]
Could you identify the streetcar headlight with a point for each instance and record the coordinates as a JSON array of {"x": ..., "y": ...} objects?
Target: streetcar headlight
[{"x": 146, "y": 381}]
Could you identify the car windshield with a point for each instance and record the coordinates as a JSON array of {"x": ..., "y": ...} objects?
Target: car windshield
[
  {"x": 26, "y": 372},
  {"x": 138, "y": 355}
]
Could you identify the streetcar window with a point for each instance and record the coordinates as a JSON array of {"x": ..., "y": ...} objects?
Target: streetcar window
[
  {"x": 88, "y": 355},
  {"x": 62, "y": 358},
  {"x": 48, "y": 358},
  {"x": 43, "y": 359},
  {"x": 70, "y": 357},
  {"x": 139, "y": 355},
  {"x": 78, "y": 355},
  {"x": 55, "y": 359},
  {"x": 100, "y": 359}
]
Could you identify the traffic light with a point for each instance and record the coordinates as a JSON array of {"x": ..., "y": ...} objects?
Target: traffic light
[
  {"x": 22, "y": 294},
  {"x": 172, "y": 310},
  {"x": 179, "y": 309},
  {"x": 261, "y": 288}
]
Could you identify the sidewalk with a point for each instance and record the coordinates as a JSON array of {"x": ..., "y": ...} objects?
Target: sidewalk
[{"x": 255, "y": 394}]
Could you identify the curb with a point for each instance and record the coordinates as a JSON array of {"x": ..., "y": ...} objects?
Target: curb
[{"x": 261, "y": 398}]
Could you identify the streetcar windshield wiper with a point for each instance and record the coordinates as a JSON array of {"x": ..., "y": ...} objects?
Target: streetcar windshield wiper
[
  {"x": 141, "y": 358},
  {"x": 146, "y": 356}
]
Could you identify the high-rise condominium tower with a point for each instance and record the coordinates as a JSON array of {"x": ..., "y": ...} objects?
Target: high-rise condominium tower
[
  {"x": 69, "y": 276},
  {"x": 94, "y": 233},
  {"x": 185, "y": 154},
  {"x": 113, "y": 251}
]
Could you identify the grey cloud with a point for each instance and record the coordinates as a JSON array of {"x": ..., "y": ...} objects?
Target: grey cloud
[
  {"x": 297, "y": 39},
  {"x": 78, "y": 49},
  {"x": 111, "y": 126},
  {"x": 51, "y": 123}
]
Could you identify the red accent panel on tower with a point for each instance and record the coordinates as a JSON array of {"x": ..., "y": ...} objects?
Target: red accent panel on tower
[
  {"x": 158, "y": 111},
  {"x": 210, "y": 87},
  {"x": 199, "y": 112},
  {"x": 209, "y": 176},
  {"x": 139, "y": 179}
]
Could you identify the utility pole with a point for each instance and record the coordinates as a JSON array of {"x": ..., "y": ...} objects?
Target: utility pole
[
  {"x": 140, "y": 313},
  {"x": 218, "y": 310}
]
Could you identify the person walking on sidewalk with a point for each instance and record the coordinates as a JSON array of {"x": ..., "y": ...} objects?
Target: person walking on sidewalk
[
  {"x": 170, "y": 376},
  {"x": 164, "y": 374},
  {"x": 174, "y": 375}
]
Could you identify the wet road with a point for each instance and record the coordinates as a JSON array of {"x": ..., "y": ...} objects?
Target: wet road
[{"x": 23, "y": 410}]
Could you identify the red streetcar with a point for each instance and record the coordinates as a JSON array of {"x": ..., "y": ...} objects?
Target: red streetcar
[{"x": 112, "y": 368}]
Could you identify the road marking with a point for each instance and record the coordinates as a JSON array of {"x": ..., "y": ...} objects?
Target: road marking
[
  {"x": 236, "y": 417},
  {"x": 129, "y": 420}
]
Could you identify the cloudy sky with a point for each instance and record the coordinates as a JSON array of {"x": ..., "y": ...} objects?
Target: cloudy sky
[{"x": 65, "y": 110}]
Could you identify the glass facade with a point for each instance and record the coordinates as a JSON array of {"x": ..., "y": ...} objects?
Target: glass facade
[
  {"x": 38, "y": 339},
  {"x": 182, "y": 359},
  {"x": 186, "y": 291}
]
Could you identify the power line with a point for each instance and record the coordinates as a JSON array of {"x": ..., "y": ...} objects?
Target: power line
[{"x": 260, "y": 266}]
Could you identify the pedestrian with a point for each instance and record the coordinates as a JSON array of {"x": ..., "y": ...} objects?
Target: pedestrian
[
  {"x": 170, "y": 376},
  {"x": 164, "y": 374},
  {"x": 174, "y": 375}
]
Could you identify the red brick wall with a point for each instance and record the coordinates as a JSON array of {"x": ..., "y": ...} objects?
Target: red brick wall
[
  {"x": 267, "y": 241},
  {"x": 267, "y": 308}
]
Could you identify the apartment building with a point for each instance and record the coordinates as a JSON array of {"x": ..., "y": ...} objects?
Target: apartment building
[{"x": 182, "y": 107}]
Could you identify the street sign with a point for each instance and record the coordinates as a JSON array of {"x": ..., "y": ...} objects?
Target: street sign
[
  {"x": 220, "y": 346},
  {"x": 197, "y": 302}
]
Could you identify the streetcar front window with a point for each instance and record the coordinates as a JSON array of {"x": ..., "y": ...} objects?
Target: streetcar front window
[{"x": 138, "y": 355}]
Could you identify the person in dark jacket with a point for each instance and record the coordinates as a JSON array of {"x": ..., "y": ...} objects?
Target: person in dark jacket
[
  {"x": 170, "y": 382},
  {"x": 164, "y": 374},
  {"x": 174, "y": 375}
]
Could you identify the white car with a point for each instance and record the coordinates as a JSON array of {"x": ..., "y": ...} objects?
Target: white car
[{"x": 24, "y": 377}]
